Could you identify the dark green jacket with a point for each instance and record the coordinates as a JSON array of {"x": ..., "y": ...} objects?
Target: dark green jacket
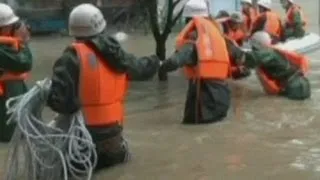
[
  {"x": 278, "y": 67},
  {"x": 13, "y": 61},
  {"x": 295, "y": 30},
  {"x": 63, "y": 96},
  {"x": 271, "y": 60}
]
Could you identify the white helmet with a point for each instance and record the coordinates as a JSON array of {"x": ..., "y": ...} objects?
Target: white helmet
[
  {"x": 7, "y": 16},
  {"x": 246, "y": 1},
  {"x": 265, "y": 3},
  {"x": 196, "y": 8},
  {"x": 260, "y": 39},
  {"x": 86, "y": 20},
  {"x": 283, "y": 1}
]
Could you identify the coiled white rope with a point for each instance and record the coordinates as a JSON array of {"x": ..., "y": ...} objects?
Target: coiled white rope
[{"x": 48, "y": 152}]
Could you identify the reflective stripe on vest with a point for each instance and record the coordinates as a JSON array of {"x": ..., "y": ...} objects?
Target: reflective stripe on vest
[
  {"x": 213, "y": 59},
  {"x": 101, "y": 90},
  {"x": 273, "y": 86}
]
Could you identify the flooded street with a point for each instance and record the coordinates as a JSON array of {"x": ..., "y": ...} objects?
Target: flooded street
[{"x": 262, "y": 138}]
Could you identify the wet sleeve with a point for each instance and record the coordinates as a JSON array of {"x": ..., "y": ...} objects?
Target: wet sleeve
[
  {"x": 186, "y": 56},
  {"x": 143, "y": 68},
  {"x": 254, "y": 59},
  {"x": 14, "y": 61},
  {"x": 235, "y": 52},
  {"x": 63, "y": 95},
  {"x": 137, "y": 68},
  {"x": 259, "y": 24}
]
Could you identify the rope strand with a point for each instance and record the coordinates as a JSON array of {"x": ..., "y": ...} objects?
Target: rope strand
[{"x": 39, "y": 151}]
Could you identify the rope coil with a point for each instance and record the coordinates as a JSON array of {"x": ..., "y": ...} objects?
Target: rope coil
[{"x": 41, "y": 151}]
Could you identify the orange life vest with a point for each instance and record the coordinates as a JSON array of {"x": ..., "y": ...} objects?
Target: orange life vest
[
  {"x": 274, "y": 86},
  {"x": 250, "y": 18},
  {"x": 10, "y": 76},
  {"x": 238, "y": 35},
  {"x": 272, "y": 24},
  {"x": 213, "y": 59},
  {"x": 290, "y": 15},
  {"x": 101, "y": 90}
]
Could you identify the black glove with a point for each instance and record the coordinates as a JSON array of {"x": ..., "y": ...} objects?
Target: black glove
[{"x": 242, "y": 72}]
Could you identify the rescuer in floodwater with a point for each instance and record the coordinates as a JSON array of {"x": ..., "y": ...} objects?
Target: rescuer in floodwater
[
  {"x": 16, "y": 63},
  {"x": 295, "y": 23},
  {"x": 92, "y": 75},
  {"x": 280, "y": 72},
  {"x": 268, "y": 21},
  {"x": 201, "y": 50}
]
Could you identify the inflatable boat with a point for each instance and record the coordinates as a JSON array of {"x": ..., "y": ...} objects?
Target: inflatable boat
[{"x": 309, "y": 43}]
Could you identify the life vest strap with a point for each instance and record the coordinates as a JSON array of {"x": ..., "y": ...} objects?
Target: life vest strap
[{"x": 103, "y": 114}]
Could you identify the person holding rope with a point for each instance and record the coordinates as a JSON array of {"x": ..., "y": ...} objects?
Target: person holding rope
[
  {"x": 202, "y": 51},
  {"x": 92, "y": 76},
  {"x": 16, "y": 62}
]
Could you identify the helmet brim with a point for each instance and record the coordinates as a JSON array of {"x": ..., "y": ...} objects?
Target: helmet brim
[{"x": 12, "y": 21}]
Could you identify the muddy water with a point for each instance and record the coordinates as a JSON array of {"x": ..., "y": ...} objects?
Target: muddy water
[{"x": 262, "y": 138}]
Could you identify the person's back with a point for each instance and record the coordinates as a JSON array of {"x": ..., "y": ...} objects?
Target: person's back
[
  {"x": 250, "y": 13},
  {"x": 268, "y": 21},
  {"x": 281, "y": 72},
  {"x": 92, "y": 76},
  {"x": 201, "y": 50},
  {"x": 233, "y": 26},
  {"x": 272, "y": 24}
]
